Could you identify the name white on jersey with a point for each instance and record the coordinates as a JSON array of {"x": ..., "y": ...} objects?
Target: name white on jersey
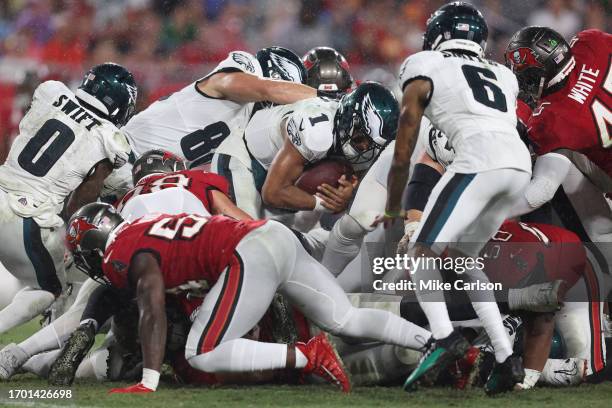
[{"x": 473, "y": 101}]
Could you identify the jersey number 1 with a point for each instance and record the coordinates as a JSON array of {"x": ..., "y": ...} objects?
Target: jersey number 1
[
  {"x": 485, "y": 91},
  {"x": 37, "y": 161}
]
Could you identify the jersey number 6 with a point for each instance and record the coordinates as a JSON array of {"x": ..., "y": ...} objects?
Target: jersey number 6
[{"x": 485, "y": 91}]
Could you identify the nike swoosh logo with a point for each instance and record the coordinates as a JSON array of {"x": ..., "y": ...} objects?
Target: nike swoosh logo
[{"x": 107, "y": 257}]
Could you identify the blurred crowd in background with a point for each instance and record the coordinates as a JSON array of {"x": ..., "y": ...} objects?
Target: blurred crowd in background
[{"x": 167, "y": 43}]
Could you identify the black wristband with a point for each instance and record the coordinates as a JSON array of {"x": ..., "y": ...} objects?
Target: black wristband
[{"x": 423, "y": 180}]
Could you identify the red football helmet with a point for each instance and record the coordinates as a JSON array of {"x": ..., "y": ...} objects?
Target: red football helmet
[{"x": 87, "y": 233}]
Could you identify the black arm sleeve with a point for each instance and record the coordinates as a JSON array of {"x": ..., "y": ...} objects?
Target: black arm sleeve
[
  {"x": 423, "y": 180},
  {"x": 102, "y": 305}
]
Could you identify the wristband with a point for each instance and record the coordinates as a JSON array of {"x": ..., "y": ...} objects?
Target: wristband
[
  {"x": 319, "y": 208},
  {"x": 150, "y": 378},
  {"x": 394, "y": 214}
]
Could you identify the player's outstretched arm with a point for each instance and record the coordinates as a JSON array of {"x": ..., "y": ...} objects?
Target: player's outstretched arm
[
  {"x": 223, "y": 205},
  {"x": 415, "y": 99},
  {"x": 145, "y": 275},
  {"x": 89, "y": 190},
  {"x": 243, "y": 87}
]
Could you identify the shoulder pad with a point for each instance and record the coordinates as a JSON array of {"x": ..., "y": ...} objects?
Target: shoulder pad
[{"x": 417, "y": 65}]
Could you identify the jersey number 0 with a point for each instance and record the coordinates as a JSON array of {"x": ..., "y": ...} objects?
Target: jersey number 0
[{"x": 37, "y": 161}]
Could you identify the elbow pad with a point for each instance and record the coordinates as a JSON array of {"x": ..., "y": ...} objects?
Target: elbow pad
[{"x": 423, "y": 180}]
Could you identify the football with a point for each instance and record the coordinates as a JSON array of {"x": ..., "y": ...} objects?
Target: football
[{"x": 326, "y": 171}]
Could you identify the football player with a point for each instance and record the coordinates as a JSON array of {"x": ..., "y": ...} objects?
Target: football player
[
  {"x": 163, "y": 185},
  {"x": 280, "y": 141},
  {"x": 569, "y": 128},
  {"x": 192, "y": 122},
  {"x": 243, "y": 263},
  {"x": 68, "y": 143},
  {"x": 328, "y": 71},
  {"x": 473, "y": 101}
]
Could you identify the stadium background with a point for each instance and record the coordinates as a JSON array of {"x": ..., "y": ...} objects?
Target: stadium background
[{"x": 167, "y": 43}]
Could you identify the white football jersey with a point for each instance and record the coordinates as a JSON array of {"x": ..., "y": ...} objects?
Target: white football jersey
[
  {"x": 473, "y": 101},
  {"x": 189, "y": 123},
  {"x": 309, "y": 125},
  {"x": 59, "y": 143}
]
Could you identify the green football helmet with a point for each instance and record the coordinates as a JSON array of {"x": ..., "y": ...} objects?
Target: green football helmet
[
  {"x": 110, "y": 90},
  {"x": 365, "y": 122},
  {"x": 456, "y": 26}
]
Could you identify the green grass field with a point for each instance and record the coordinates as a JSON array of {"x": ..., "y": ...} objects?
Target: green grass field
[{"x": 95, "y": 395}]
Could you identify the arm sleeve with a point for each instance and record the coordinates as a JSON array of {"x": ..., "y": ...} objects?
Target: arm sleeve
[{"x": 549, "y": 172}]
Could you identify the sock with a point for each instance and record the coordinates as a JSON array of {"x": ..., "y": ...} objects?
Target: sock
[
  {"x": 55, "y": 334},
  {"x": 241, "y": 355},
  {"x": 385, "y": 327},
  {"x": 343, "y": 245},
  {"x": 40, "y": 364},
  {"x": 300, "y": 359},
  {"x": 26, "y": 305},
  {"x": 432, "y": 301},
  {"x": 486, "y": 308}
]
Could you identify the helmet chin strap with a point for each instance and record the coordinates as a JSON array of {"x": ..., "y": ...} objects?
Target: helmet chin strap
[
  {"x": 563, "y": 73},
  {"x": 92, "y": 100},
  {"x": 460, "y": 44}
]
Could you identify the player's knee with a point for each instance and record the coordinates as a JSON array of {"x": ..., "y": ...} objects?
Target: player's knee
[
  {"x": 352, "y": 227},
  {"x": 341, "y": 325}
]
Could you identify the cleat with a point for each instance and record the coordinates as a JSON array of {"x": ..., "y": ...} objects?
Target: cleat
[
  {"x": 12, "y": 357},
  {"x": 64, "y": 368},
  {"x": 505, "y": 376},
  {"x": 467, "y": 368},
  {"x": 563, "y": 373},
  {"x": 324, "y": 361},
  {"x": 438, "y": 356}
]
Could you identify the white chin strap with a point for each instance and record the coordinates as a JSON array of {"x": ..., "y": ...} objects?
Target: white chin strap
[
  {"x": 563, "y": 73},
  {"x": 460, "y": 44},
  {"x": 91, "y": 100}
]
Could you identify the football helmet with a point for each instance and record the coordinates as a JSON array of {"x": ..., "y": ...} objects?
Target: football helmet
[
  {"x": 87, "y": 232},
  {"x": 281, "y": 63},
  {"x": 365, "y": 122},
  {"x": 111, "y": 90},
  {"x": 327, "y": 70},
  {"x": 156, "y": 161},
  {"x": 456, "y": 26},
  {"x": 540, "y": 58}
]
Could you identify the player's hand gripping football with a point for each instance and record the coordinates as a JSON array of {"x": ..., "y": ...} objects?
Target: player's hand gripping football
[{"x": 336, "y": 199}]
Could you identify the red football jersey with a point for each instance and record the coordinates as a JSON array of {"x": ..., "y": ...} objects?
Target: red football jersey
[
  {"x": 579, "y": 116},
  {"x": 521, "y": 254},
  {"x": 199, "y": 183},
  {"x": 192, "y": 250}
]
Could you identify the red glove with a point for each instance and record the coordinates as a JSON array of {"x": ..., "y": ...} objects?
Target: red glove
[{"x": 133, "y": 389}]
